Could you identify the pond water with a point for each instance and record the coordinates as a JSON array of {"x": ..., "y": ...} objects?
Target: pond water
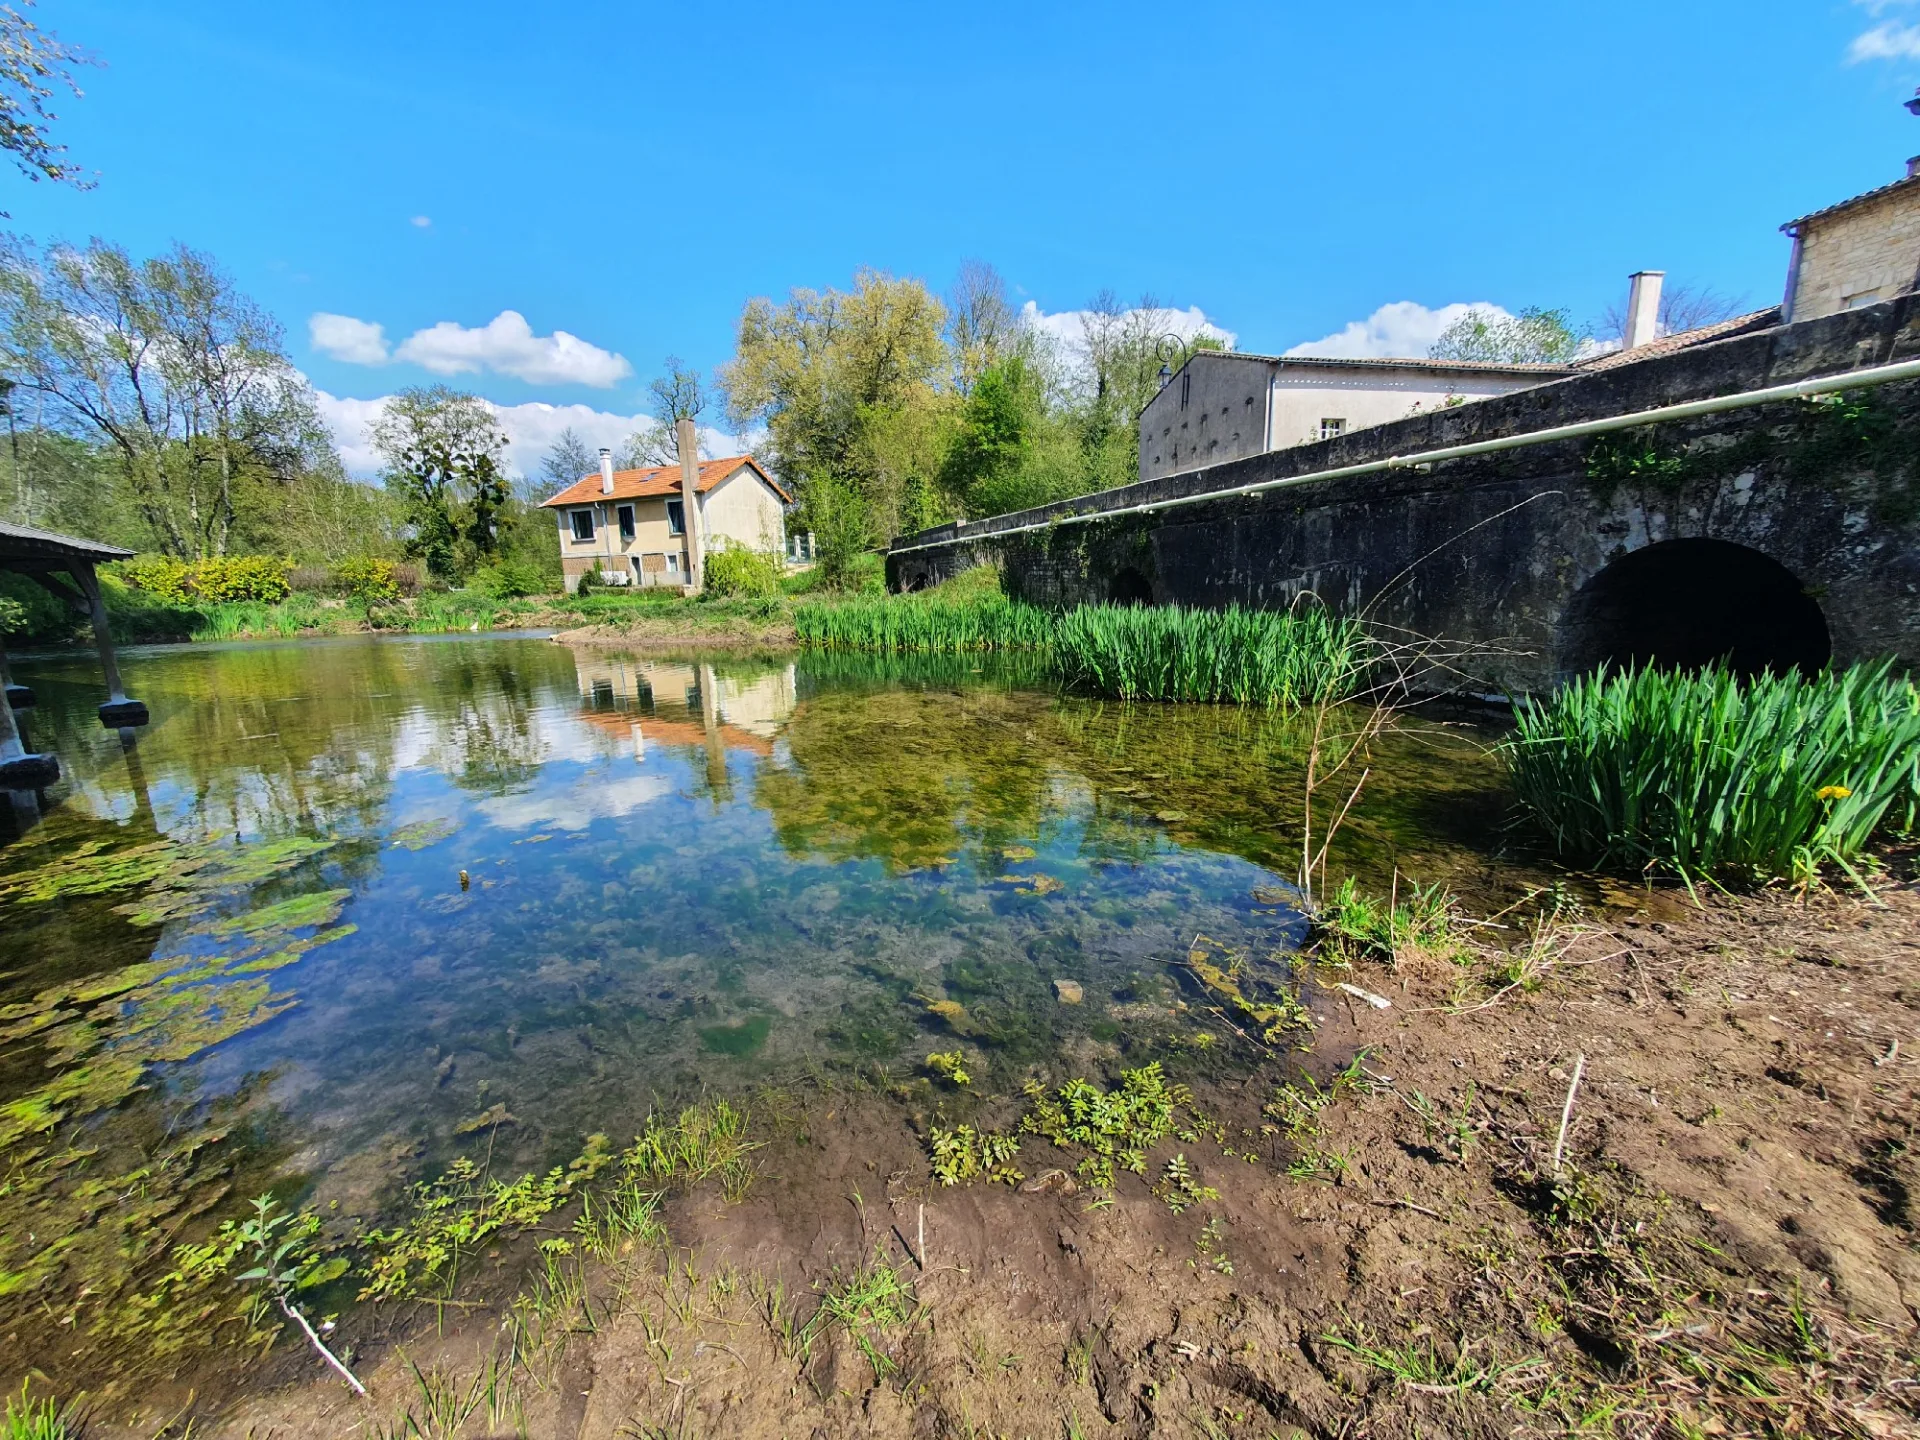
[{"x": 348, "y": 908}]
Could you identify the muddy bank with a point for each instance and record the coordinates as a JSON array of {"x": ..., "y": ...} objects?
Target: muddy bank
[
  {"x": 1728, "y": 1242},
  {"x": 684, "y": 630}
]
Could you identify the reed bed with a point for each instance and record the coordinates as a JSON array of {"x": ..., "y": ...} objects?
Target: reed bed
[
  {"x": 907, "y": 625},
  {"x": 1245, "y": 657},
  {"x": 1710, "y": 776}
]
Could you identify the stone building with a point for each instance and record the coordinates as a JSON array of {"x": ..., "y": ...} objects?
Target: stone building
[
  {"x": 1224, "y": 405},
  {"x": 1859, "y": 252}
]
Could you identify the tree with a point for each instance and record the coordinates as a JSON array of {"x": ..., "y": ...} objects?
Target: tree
[
  {"x": 442, "y": 450},
  {"x": 827, "y": 373},
  {"x": 1682, "y": 308},
  {"x": 184, "y": 378},
  {"x": 33, "y": 65},
  {"x": 677, "y": 395},
  {"x": 1533, "y": 337},
  {"x": 982, "y": 326},
  {"x": 1010, "y": 452},
  {"x": 566, "y": 461}
]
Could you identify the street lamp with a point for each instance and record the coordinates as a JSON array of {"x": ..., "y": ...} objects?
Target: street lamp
[{"x": 1170, "y": 346}]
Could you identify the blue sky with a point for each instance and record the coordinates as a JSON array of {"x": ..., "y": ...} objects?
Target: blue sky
[{"x": 629, "y": 174}]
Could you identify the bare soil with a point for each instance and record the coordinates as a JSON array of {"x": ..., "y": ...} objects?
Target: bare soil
[
  {"x": 682, "y": 629},
  {"x": 1727, "y": 1248}
]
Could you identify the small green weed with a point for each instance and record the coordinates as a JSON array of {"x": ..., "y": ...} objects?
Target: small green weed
[
  {"x": 1414, "y": 925},
  {"x": 964, "y": 1153},
  {"x": 29, "y": 1419},
  {"x": 868, "y": 1304},
  {"x": 1179, "y": 1187}
]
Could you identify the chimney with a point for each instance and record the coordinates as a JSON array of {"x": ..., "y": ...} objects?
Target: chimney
[
  {"x": 606, "y": 471},
  {"x": 1643, "y": 307},
  {"x": 687, "y": 440},
  {"x": 1913, "y": 167}
]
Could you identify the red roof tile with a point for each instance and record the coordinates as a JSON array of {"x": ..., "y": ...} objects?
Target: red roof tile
[{"x": 659, "y": 480}]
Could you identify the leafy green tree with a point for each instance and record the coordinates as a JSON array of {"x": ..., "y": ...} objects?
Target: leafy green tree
[
  {"x": 442, "y": 449},
  {"x": 1533, "y": 337},
  {"x": 33, "y": 67},
  {"x": 182, "y": 378},
  {"x": 829, "y": 373}
]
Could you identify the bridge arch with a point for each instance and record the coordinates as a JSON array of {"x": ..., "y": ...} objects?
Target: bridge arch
[
  {"x": 1129, "y": 587},
  {"x": 1681, "y": 604}
]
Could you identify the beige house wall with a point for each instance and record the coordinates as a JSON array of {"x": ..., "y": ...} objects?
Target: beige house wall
[
  {"x": 1860, "y": 256},
  {"x": 742, "y": 510}
]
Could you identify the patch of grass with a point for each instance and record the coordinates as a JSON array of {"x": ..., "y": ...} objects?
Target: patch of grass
[
  {"x": 869, "y": 1304},
  {"x": 1411, "y": 925},
  {"x": 30, "y": 1419},
  {"x": 1424, "y": 1369},
  {"x": 1708, "y": 775},
  {"x": 702, "y": 1140}
]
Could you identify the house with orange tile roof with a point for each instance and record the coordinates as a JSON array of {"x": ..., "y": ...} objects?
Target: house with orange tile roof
[{"x": 630, "y": 526}]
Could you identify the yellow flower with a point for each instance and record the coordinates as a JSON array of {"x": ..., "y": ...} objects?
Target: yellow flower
[{"x": 1832, "y": 792}]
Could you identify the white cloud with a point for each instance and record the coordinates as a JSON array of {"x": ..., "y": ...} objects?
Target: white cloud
[
  {"x": 1401, "y": 330},
  {"x": 341, "y": 337},
  {"x": 1068, "y": 328},
  {"x": 1888, "y": 40},
  {"x": 531, "y": 429},
  {"x": 505, "y": 345},
  {"x": 421, "y": 221}
]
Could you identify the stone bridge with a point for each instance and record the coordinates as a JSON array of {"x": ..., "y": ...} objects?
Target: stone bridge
[{"x": 1781, "y": 534}]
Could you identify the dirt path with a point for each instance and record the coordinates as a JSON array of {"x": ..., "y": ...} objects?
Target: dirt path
[{"x": 1728, "y": 1245}]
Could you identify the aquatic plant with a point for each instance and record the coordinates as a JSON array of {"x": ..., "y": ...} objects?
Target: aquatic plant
[
  {"x": 950, "y": 1065},
  {"x": 1115, "y": 1127},
  {"x": 1247, "y": 657},
  {"x": 1711, "y": 775},
  {"x": 906, "y": 624},
  {"x": 1225, "y": 976},
  {"x": 1413, "y": 923},
  {"x": 460, "y": 1211},
  {"x": 964, "y": 1153}
]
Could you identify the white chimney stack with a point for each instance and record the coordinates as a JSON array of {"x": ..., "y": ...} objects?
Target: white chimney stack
[
  {"x": 1643, "y": 307},
  {"x": 606, "y": 459}
]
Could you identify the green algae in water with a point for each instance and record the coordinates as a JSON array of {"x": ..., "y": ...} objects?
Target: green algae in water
[{"x": 741, "y": 1038}]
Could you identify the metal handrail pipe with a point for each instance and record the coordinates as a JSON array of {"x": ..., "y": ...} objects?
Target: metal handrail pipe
[{"x": 1795, "y": 390}]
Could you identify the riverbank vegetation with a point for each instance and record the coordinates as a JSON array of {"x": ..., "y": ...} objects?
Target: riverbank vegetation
[{"x": 1711, "y": 775}]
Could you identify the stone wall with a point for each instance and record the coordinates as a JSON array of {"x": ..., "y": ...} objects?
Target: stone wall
[{"x": 1514, "y": 553}]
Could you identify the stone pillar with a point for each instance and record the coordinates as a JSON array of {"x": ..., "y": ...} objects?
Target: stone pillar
[
  {"x": 119, "y": 713},
  {"x": 688, "y": 440}
]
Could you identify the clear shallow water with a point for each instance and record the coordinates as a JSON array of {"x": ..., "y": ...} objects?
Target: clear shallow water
[{"x": 681, "y": 875}]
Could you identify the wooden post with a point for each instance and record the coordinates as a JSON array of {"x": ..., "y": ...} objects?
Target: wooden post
[
  {"x": 20, "y": 769},
  {"x": 119, "y": 713},
  {"x": 688, "y": 441}
]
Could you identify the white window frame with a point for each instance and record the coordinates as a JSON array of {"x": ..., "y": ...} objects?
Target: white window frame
[{"x": 574, "y": 517}]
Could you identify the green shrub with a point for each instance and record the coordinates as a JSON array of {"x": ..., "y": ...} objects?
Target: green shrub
[
  {"x": 366, "y": 578},
  {"x": 1711, "y": 775},
  {"x": 510, "y": 580},
  {"x": 736, "y": 570},
  {"x": 13, "y": 616},
  {"x": 1248, "y": 657},
  {"x": 218, "y": 577}
]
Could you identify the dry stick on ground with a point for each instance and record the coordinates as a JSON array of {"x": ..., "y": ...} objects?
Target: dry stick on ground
[
  {"x": 1566, "y": 1111},
  {"x": 293, "y": 1313}
]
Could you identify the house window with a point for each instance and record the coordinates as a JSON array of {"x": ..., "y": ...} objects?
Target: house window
[
  {"x": 676, "y": 517},
  {"x": 1863, "y": 298},
  {"x": 625, "y": 513},
  {"x": 673, "y": 562},
  {"x": 582, "y": 524},
  {"x": 1331, "y": 428}
]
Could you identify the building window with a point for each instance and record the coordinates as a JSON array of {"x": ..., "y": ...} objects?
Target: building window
[
  {"x": 676, "y": 517},
  {"x": 582, "y": 524},
  {"x": 673, "y": 562},
  {"x": 1331, "y": 428},
  {"x": 625, "y": 513},
  {"x": 1864, "y": 297}
]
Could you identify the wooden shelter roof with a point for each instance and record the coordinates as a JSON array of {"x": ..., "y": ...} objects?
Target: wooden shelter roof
[{"x": 24, "y": 547}]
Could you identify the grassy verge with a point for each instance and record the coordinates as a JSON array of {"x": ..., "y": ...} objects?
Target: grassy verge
[{"x": 1711, "y": 776}]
